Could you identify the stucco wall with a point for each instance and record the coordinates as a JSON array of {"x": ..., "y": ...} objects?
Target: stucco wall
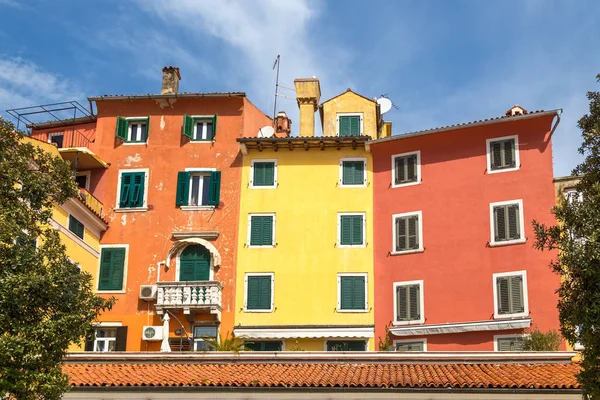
[{"x": 349, "y": 102}]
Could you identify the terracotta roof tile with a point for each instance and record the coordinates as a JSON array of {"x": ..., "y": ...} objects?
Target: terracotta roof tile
[{"x": 325, "y": 375}]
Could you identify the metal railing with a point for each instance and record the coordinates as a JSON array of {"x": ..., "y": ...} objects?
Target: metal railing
[{"x": 91, "y": 201}]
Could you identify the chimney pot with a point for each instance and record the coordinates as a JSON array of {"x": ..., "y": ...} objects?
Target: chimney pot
[
  {"x": 170, "y": 80},
  {"x": 283, "y": 125}
]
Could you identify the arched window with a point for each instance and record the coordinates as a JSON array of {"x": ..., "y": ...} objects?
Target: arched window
[{"x": 194, "y": 263}]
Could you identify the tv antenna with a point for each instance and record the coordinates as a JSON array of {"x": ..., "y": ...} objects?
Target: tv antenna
[
  {"x": 383, "y": 102},
  {"x": 276, "y": 64}
]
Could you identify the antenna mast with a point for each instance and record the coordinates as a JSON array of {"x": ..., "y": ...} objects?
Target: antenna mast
[{"x": 276, "y": 86}]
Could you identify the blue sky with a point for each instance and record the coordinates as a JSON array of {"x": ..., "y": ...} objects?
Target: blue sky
[{"x": 441, "y": 62}]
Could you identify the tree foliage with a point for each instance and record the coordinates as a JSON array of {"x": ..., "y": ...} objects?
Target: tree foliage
[
  {"x": 542, "y": 341},
  {"x": 45, "y": 302},
  {"x": 230, "y": 343},
  {"x": 577, "y": 237}
]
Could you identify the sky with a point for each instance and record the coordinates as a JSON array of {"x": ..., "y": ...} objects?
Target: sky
[{"x": 440, "y": 62}]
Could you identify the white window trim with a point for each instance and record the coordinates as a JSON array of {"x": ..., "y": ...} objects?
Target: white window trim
[
  {"x": 341, "y": 179},
  {"x": 514, "y": 335},
  {"x": 355, "y": 114},
  {"x": 339, "y": 231},
  {"x": 397, "y": 342},
  {"x": 84, "y": 227},
  {"x": 201, "y": 118},
  {"x": 525, "y": 312},
  {"x": 248, "y": 274},
  {"x": 265, "y": 160},
  {"x": 339, "y": 292},
  {"x": 197, "y": 208},
  {"x": 134, "y": 119},
  {"x": 118, "y": 197},
  {"x": 106, "y": 340},
  {"x": 489, "y": 154},
  {"x": 421, "y": 248},
  {"x": 410, "y": 153},
  {"x": 250, "y": 230},
  {"x": 125, "y": 268},
  {"x": 523, "y": 239},
  {"x": 211, "y": 274},
  {"x": 88, "y": 176},
  {"x": 421, "y": 299},
  {"x": 345, "y": 339},
  {"x": 55, "y": 134}
]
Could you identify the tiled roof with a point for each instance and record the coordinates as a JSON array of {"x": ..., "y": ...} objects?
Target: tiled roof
[{"x": 325, "y": 375}]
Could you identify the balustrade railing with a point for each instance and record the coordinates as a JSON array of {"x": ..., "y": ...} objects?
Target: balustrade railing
[{"x": 189, "y": 294}]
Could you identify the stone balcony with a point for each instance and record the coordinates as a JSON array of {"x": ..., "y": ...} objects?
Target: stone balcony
[{"x": 189, "y": 297}]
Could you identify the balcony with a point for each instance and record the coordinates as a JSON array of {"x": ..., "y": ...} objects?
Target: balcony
[
  {"x": 91, "y": 202},
  {"x": 189, "y": 296}
]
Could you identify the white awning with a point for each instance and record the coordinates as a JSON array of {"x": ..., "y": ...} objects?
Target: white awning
[
  {"x": 298, "y": 333},
  {"x": 460, "y": 327}
]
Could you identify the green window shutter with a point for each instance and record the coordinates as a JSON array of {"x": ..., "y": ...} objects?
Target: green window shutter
[
  {"x": 504, "y": 344},
  {"x": 126, "y": 189},
  {"x": 353, "y": 172},
  {"x": 214, "y": 127},
  {"x": 400, "y": 163},
  {"x": 137, "y": 193},
  {"x": 356, "y": 287},
  {"x": 194, "y": 264},
  {"x": 415, "y": 302},
  {"x": 509, "y": 153},
  {"x": 183, "y": 188},
  {"x": 347, "y": 293},
  {"x": 265, "y": 293},
  {"x": 261, "y": 230},
  {"x": 401, "y": 242},
  {"x": 517, "y": 304},
  {"x": 411, "y": 168},
  {"x": 121, "y": 128},
  {"x": 503, "y": 294},
  {"x": 264, "y": 174},
  {"x": 355, "y": 125},
  {"x": 413, "y": 232},
  {"x": 500, "y": 223},
  {"x": 409, "y": 346},
  {"x": 112, "y": 262},
  {"x": 188, "y": 126},
  {"x": 496, "y": 155},
  {"x": 258, "y": 296},
  {"x": 402, "y": 312},
  {"x": 357, "y": 230},
  {"x": 344, "y": 128},
  {"x": 146, "y": 133},
  {"x": 76, "y": 227},
  {"x": 214, "y": 191},
  {"x": 408, "y": 302},
  {"x": 351, "y": 230},
  {"x": 514, "y": 226}
]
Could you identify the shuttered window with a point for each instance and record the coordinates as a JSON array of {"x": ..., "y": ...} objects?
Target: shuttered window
[
  {"x": 263, "y": 173},
  {"x": 406, "y": 169},
  {"x": 407, "y": 233},
  {"x": 112, "y": 265},
  {"x": 198, "y": 188},
  {"x": 259, "y": 292},
  {"x": 410, "y": 346},
  {"x": 510, "y": 344},
  {"x": 507, "y": 224},
  {"x": 502, "y": 154},
  {"x": 261, "y": 230},
  {"x": 346, "y": 345},
  {"x": 349, "y": 125},
  {"x": 132, "y": 189},
  {"x": 132, "y": 130},
  {"x": 263, "y": 346},
  {"x": 76, "y": 227},
  {"x": 510, "y": 298},
  {"x": 351, "y": 230},
  {"x": 408, "y": 302},
  {"x": 353, "y": 291},
  {"x": 200, "y": 129},
  {"x": 353, "y": 173}
]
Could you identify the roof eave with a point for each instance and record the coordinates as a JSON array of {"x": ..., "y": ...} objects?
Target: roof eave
[{"x": 166, "y": 96}]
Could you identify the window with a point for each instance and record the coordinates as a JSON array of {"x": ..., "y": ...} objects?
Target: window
[
  {"x": 112, "y": 267},
  {"x": 200, "y": 128},
  {"x": 502, "y": 154},
  {"x": 82, "y": 179},
  {"x": 346, "y": 345},
  {"x": 259, "y": 292},
  {"x": 410, "y": 345},
  {"x": 76, "y": 227},
  {"x": 133, "y": 189},
  {"x": 509, "y": 343},
  {"x": 406, "y": 169},
  {"x": 196, "y": 188},
  {"x": 264, "y": 346},
  {"x": 261, "y": 232},
  {"x": 203, "y": 333},
  {"x": 107, "y": 338},
  {"x": 353, "y": 172},
  {"x": 507, "y": 222},
  {"x": 57, "y": 138},
  {"x": 510, "y": 295},
  {"x": 194, "y": 264},
  {"x": 133, "y": 130},
  {"x": 352, "y": 293},
  {"x": 351, "y": 230},
  {"x": 349, "y": 124},
  {"x": 263, "y": 174},
  {"x": 408, "y": 305},
  {"x": 408, "y": 232},
  {"x": 574, "y": 196}
]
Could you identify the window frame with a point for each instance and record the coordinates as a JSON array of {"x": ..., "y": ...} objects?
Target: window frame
[
  {"x": 56, "y": 134},
  {"x": 525, "y": 312},
  {"x": 421, "y": 248},
  {"x": 395, "y": 343},
  {"x": 249, "y": 235},
  {"x": 488, "y": 151},
  {"x": 251, "y": 274},
  {"x": 339, "y": 292},
  {"x": 349, "y": 114},
  {"x": 71, "y": 216},
  {"x": 418, "y": 169},
  {"x": 263, "y": 160},
  {"x": 339, "y": 230},
  {"x": 327, "y": 340},
  {"x": 197, "y": 339},
  {"x": 144, "y": 207},
  {"x": 106, "y": 340},
  {"x": 522, "y": 239},
  {"x": 571, "y": 194},
  {"x": 341, "y": 176},
  {"x": 197, "y": 171},
  {"x": 211, "y": 273},
  {"x": 88, "y": 176},
  {"x": 507, "y": 336},
  {"x": 421, "y": 320},
  {"x": 132, "y": 120},
  {"x": 125, "y": 269},
  {"x": 202, "y": 118}
]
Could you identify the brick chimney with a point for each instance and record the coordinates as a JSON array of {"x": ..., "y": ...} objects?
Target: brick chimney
[
  {"x": 170, "y": 80},
  {"x": 283, "y": 125},
  {"x": 308, "y": 94}
]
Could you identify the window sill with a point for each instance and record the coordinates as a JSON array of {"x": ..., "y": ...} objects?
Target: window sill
[
  {"x": 351, "y": 311},
  {"x": 351, "y": 246},
  {"x": 497, "y": 171},
  {"x": 398, "y": 185},
  {"x": 264, "y": 187},
  {"x": 404, "y": 323},
  {"x": 132, "y": 209},
  {"x": 196, "y": 208},
  {"x": 202, "y": 141},
  {"x": 134, "y": 143},
  {"x": 266, "y": 246},
  {"x": 258, "y": 311},
  {"x": 500, "y": 317},
  {"x": 399, "y": 253},
  {"x": 507, "y": 242},
  {"x": 111, "y": 291},
  {"x": 362, "y": 185}
]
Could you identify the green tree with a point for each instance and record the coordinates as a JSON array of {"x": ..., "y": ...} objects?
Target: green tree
[
  {"x": 230, "y": 343},
  {"x": 577, "y": 237},
  {"x": 540, "y": 341},
  {"x": 45, "y": 302}
]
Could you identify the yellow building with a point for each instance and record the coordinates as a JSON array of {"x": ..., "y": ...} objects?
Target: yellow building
[{"x": 305, "y": 252}]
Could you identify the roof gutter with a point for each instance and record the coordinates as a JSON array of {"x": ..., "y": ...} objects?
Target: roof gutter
[
  {"x": 558, "y": 114},
  {"x": 166, "y": 96}
]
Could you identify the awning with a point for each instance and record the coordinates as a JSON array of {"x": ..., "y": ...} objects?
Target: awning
[
  {"x": 460, "y": 327},
  {"x": 86, "y": 159},
  {"x": 314, "y": 332}
]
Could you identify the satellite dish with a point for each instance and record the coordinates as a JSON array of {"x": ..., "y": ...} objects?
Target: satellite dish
[
  {"x": 385, "y": 104},
  {"x": 266, "y": 131}
]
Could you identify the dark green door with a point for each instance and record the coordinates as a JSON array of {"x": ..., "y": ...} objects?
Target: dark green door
[{"x": 194, "y": 264}]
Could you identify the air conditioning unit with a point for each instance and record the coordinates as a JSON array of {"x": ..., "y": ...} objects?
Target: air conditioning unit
[
  {"x": 148, "y": 292},
  {"x": 152, "y": 333}
]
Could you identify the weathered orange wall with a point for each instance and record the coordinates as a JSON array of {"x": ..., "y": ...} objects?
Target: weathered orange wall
[
  {"x": 455, "y": 196},
  {"x": 79, "y": 135}
]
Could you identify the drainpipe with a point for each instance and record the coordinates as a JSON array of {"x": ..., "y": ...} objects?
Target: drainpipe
[{"x": 558, "y": 114}]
